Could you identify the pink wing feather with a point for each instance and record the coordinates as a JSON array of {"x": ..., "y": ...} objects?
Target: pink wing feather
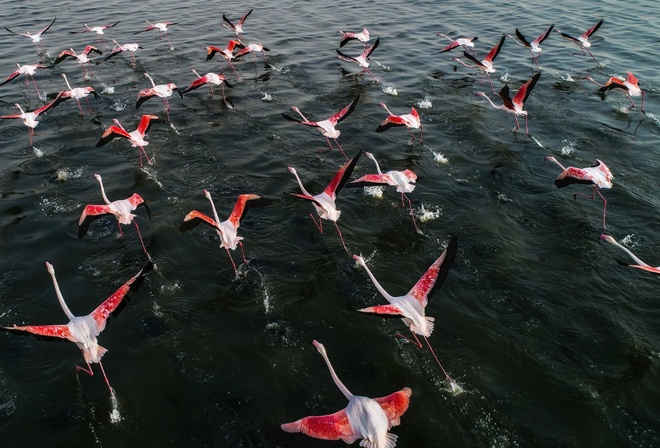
[{"x": 327, "y": 427}]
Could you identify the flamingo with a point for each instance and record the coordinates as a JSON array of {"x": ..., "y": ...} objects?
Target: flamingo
[
  {"x": 363, "y": 59},
  {"x": 162, "y": 27},
  {"x": 211, "y": 79},
  {"x": 77, "y": 93},
  {"x": 629, "y": 87},
  {"x": 534, "y": 46},
  {"x": 120, "y": 209},
  {"x": 132, "y": 48},
  {"x": 598, "y": 174},
  {"x": 253, "y": 48},
  {"x": 36, "y": 37},
  {"x": 324, "y": 203},
  {"x": 486, "y": 64},
  {"x": 99, "y": 30},
  {"x": 412, "y": 305},
  {"x": 515, "y": 105},
  {"x": 27, "y": 70},
  {"x": 410, "y": 121},
  {"x": 238, "y": 28},
  {"x": 327, "y": 127},
  {"x": 163, "y": 91},
  {"x": 83, "y": 330},
  {"x": 136, "y": 137},
  {"x": 30, "y": 118},
  {"x": 226, "y": 230},
  {"x": 227, "y": 53},
  {"x": 404, "y": 181},
  {"x": 466, "y": 42},
  {"x": 362, "y": 36},
  {"x": 640, "y": 264},
  {"x": 364, "y": 418},
  {"x": 583, "y": 40},
  {"x": 82, "y": 58}
]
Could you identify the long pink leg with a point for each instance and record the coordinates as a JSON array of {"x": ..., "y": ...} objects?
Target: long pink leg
[
  {"x": 121, "y": 233},
  {"x": 593, "y": 197},
  {"x": 517, "y": 123},
  {"x": 329, "y": 147},
  {"x": 243, "y": 253},
  {"x": 87, "y": 370},
  {"x": 491, "y": 83},
  {"x": 232, "y": 260},
  {"x": 235, "y": 72},
  {"x": 140, "y": 236},
  {"x": 145, "y": 155},
  {"x": 319, "y": 225},
  {"x": 412, "y": 135},
  {"x": 411, "y": 211},
  {"x": 421, "y": 131},
  {"x": 35, "y": 85},
  {"x": 340, "y": 237},
  {"x": 526, "y": 126},
  {"x": 416, "y": 341},
  {"x": 80, "y": 108},
  {"x": 438, "y": 361},
  {"x": 112, "y": 391},
  {"x": 340, "y": 148},
  {"x": 30, "y": 133}
]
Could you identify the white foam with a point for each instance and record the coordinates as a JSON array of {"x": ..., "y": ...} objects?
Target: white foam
[
  {"x": 390, "y": 90},
  {"x": 424, "y": 214},
  {"x": 375, "y": 191}
]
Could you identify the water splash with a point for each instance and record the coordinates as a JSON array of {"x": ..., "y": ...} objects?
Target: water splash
[
  {"x": 115, "y": 416},
  {"x": 454, "y": 388},
  {"x": 374, "y": 191},
  {"x": 425, "y": 103},
  {"x": 109, "y": 90},
  {"x": 505, "y": 78},
  {"x": 64, "y": 174},
  {"x": 629, "y": 241},
  {"x": 438, "y": 157},
  {"x": 390, "y": 90},
  {"x": 38, "y": 152},
  {"x": 267, "y": 97},
  {"x": 424, "y": 214},
  {"x": 568, "y": 148},
  {"x": 567, "y": 77}
]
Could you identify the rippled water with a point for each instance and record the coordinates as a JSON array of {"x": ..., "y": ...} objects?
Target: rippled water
[{"x": 553, "y": 343}]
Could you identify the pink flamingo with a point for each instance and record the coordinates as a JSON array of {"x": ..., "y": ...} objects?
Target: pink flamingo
[
  {"x": 364, "y": 418},
  {"x": 410, "y": 121},
  {"x": 121, "y": 209},
  {"x": 253, "y": 48},
  {"x": 162, "y": 27},
  {"x": 583, "y": 40},
  {"x": 629, "y": 87},
  {"x": 30, "y": 118},
  {"x": 466, "y": 42},
  {"x": 226, "y": 230},
  {"x": 83, "y": 330},
  {"x": 515, "y": 106},
  {"x": 77, "y": 93},
  {"x": 82, "y": 58},
  {"x": 324, "y": 203},
  {"x": 211, "y": 79},
  {"x": 486, "y": 64},
  {"x": 327, "y": 127},
  {"x": 362, "y": 36},
  {"x": 36, "y": 37},
  {"x": 238, "y": 28},
  {"x": 132, "y": 48},
  {"x": 640, "y": 264},
  {"x": 98, "y": 30},
  {"x": 404, "y": 181},
  {"x": 363, "y": 60},
  {"x": 226, "y": 53},
  {"x": 412, "y": 306},
  {"x": 136, "y": 138},
  {"x": 163, "y": 91},
  {"x": 534, "y": 46},
  {"x": 27, "y": 70},
  {"x": 598, "y": 175}
]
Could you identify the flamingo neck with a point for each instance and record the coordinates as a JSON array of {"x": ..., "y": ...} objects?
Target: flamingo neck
[
  {"x": 493, "y": 104},
  {"x": 215, "y": 213},
  {"x": 65, "y": 308},
  {"x": 344, "y": 390},
  {"x": 385, "y": 107},
  {"x": 195, "y": 72},
  {"x": 105, "y": 198},
  {"x": 302, "y": 188},
  {"x": 637, "y": 260},
  {"x": 66, "y": 81},
  {"x": 552, "y": 159},
  {"x": 376, "y": 162},
  {"x": 150, "y": 79},
  {"x": 375, "y": 282}
]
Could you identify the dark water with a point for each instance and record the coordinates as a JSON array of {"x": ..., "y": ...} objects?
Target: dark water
[{"x": 553, "y": 343}]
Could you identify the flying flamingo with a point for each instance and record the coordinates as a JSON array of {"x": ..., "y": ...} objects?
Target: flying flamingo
[
  {"x": 36, "y": 37},
  {"x": 515, "y": 106},
  {"x": 363, "y": 59},
  {"x": 534, "y": 46},
  {"x": 226, "y": 53},
  {"x": 136, "y": 138},
  {"x": 362, "y": 36},
  {"x": 324, "y": 203},
  {"x": 120, "y": 209},
  {"x": 404, "y": 181},
  {"x": 598, "y": 174},
  {"x": 629, "y": 87},
  {"x": 238, "y": 28},
  {"x": 211, "y": 79},
  {"x": 327, "y": 127},
  {"x": 83, "y": 330},
  {"x": 640, "y": 264},
  {"x": 412, "y": 305},
  {"x": 27, "y": 70},
  {"x": 163, "y": 91},
  {"x": 583, "y": 40},
  {"x": 364, "y": 418},
  {"x": 410, "y": 121},
  {"x": 77, "y": 93},
  {"x": 253, "y": 48},
  {"x": 466, "y": 42},
  {"x": 226, "y": 230},
  {"x": 82, "y": 58},
  {"x": 162, "y": 27},
  {"x": 132, "y": 48},
  {"x": 30, "y": 118},
  {"x": 486, "y": 64},
  {"x": 99, "y": 30}
]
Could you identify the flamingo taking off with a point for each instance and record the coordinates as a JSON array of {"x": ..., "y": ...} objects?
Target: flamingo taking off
[
  {"x": 363, "y": 59},
  {"x": 211, "y": 79},
  {"x": 132, "y": 48},
  {"x": 121, "y": 209},
  {"x": 486, "y": 64},
  {"x": 466, "y": 42},
  {"x": 583, "y": 40},
  {"x": 82, "y": 58},
  {"x": 410, "y": 121},
  {"x": 629, "y": 87},
  {"x": 362, "y": 36},
  {"x": 226, "y": 230},
  {"x": 77, "y": 93},
  {"x": 515, "y": 106},
  {"x": 27, "y": 70},
  {"x": 36, "y": 37},
  {"x": 364, "y": 418},
  {"x": 30, "y": 118},
  {"x": 238, "y": 28},
  {"x": 136, "y": 137},
  {"x": 327, "y": 127},
  {"x": 640, "y": 264},
  {"x": 324, "y": 203},
  {"x": 227, "y": 53},
  {"x": 162, "y": 91},
  {"x": 98, "y": 30},
  {"x": 253, "y": 48},
  {"x": 83, "y": 330},
  {"x": 162, "y": 28},
  {"x": 534, "y": 46},
  {"x": 404, "y": 181},
  {"x": 598, "y": 175}
]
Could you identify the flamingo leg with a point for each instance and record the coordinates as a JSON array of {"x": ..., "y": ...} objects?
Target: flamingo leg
[
  {"x": 517, "y": 123},
  {"x": 415, "y": 342},
  {"x": 526, "y": 126},
  {"x": 141, "y": 242},
  {"x": 149, "y": 161},
  {"x": 412, "y": 135},
  {"x": 340, "y": 148},
  {"x": 121, "y": 233},
  {"x": 80, "y": 108},
  {"x": 340, "y": 237},
  {"x": 319, "y": 225},
  {"x": 243, "y": 253},
  {"x": 642, "y": 103},
  {"x": 89, "y": 106},
  {"x": 112, "y": 391},
  {"x": 87, "y": 370},
  {"x": 490, "y": 81},
  {"x": 438, "y": 361},
  {"x": 411, "y": 211},
  {"x": 235, "y": 72},
  {"x": 232, "y": 261},
  {"x": 593, "y": 197},
  {"x": 329, "y": 146},
  {"x": 30, "y": 133}
]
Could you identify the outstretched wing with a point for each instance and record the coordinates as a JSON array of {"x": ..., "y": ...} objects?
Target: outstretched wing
[
  {"x": 544, "y": 36},
  {"x": 145, "y": 123},
  {"x": 522, "y": 39},
  {"x": 89, "y": 214},
  {"x": 137, "y": 201},
  {"x": 10, "y": 77},
  {"x": 345, "y": 112},
  {"x": 382, "y": 309},
  {"x": 327, "y": 427},
  {"x": 395, "y": 405},
  {"x": 370, "y": 180},
  {"x": 56, "y": 331},
  {"x": 495, "y": 50},
  {"x": 522, "y": 94},
  {"x": 240, "y": 209},
  {"x": 342, "y": 176},
  {"x": 593, "y": 29},
  {"x": 371, "y": 49},
  {"x": 195, "y": 218},
  {"x": 436, "y": 274}
]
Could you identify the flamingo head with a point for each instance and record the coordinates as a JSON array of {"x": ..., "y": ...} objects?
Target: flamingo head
[
  {"x": 371, "y": 156},
  {"x": 291, "y": 170},
  {"x": 359, "y": 260},
  {"x": 607, "y": 238},
  {"x": 50, "y": 268},
  {"x": 481, "y": 94},
  {"x": 207, "y": 194},
  {"x": 319, "y": 347}
]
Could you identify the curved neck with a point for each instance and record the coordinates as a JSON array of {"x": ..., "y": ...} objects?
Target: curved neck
[
  {"x": 385, "y": 107},
  {"x": 371, "y": 156},
  {"x": 105, "y": 198},
  {"x": 150, "y": 79},
  {"x": 552, "y": 159},
  {"x": 300, "y": 183},
  {"x": 215, "y": 213},
  {"x": 493, "y": 104},
  {"x": 195, "y": 72},
  {"x": 375, "y": 282},
  {"x": 463, "y": 63},
  {"x": 335, "y": 378},
  {"x": 66, "y": 81},
  {"x": 66, "y": 309},
  {"x": 637, "y": 260}
]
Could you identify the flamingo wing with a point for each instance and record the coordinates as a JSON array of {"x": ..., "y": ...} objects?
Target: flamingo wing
[
  {"x": 544, "y": 36},
  {"x": 522, "y": 94},
  {"x": 382, "y": 309},
  {"x": 495, "y": 50},
  {"x": 390, "y": 122},
  {"x": 436, "y": 274},
  {"x": 371, "y": 180},
  {"x": 231, "y": 25},
  {"x": 43, "y": 30},
  {"x": 56, "y": 331},
  {"x": 195, "y": 218},
  {"x": 91, "y": 213},
  {"x": 308, "y": 198},
  {"x": 395, "y": 405},
  {"x": 342, "y": 176},
  {"x": 506, "y": 97},
  {"x": 211, "y": 51},
  {"x": 144, "y": 95},
  {"x": 572, "y": 175},
  {"x": 196, "y": 84},
  {"x": 473, "y": 59},
  {"x": 145, "y": 123},
  {"x": 63, "y": 55},
  {"x": 110, "y": 133},
  {"x": 137, "y": 201},
  {"x": 350, "y": 58},
  {"x": 613, "y": 83},
  {"x": 593, "y": 29},
  {"x": 327, "y": 427},
  {"x": 449, "y": 47},
  {"x": 240, "y": 209},
  {"x": 371, "y": 49},
  {"x": 240, "y": 22},
  {"x": 10, "y": 77},
  {"x": 345, "y": 112},
  {"x": 522, "y": 39},
  {"x": 89, "y": 48}
]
